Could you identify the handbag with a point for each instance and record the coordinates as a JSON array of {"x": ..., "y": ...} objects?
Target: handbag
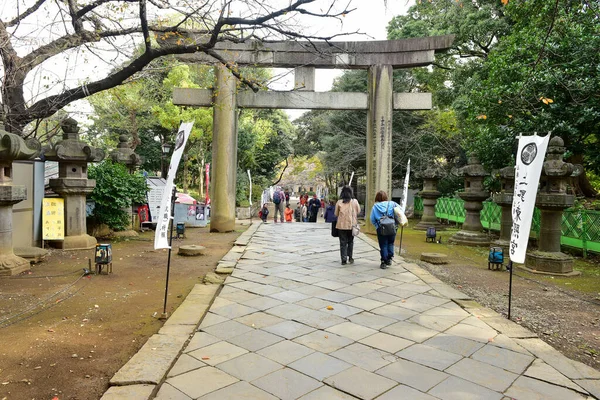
[
  {"x": 387, "y": 224},
  {"x": 355, "y": 227},
  {"x": 334, "y": 231}
]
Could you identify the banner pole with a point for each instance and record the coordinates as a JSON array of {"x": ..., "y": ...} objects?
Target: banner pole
[
  {"x": 173, "y": 196},
  {"x": 510, "y": 267},
  {"x": 401, "y": 233}
]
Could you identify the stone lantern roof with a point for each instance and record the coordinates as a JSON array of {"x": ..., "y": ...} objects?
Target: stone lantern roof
[
  {"x": 124, "y": 154},
  {"x": 14, "y": 147},
  {"x": 473, "y": 168},
  {"x": 71, "y": 148}
]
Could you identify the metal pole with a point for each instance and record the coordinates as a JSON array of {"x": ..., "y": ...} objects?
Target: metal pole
[
  {"x": 510, "y": 267},
  {"x": 173, "y": 196}
]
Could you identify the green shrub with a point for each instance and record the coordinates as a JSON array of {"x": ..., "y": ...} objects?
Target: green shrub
[{"x": 116, "y": 189}]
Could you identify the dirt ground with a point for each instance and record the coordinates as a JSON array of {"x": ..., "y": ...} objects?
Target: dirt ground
[
  {"x": 564, "y": 312},
  {"x": 64, "y": 336}
]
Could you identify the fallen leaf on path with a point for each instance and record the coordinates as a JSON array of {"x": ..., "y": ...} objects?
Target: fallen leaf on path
[
  {"x": 329, "y": 307},
  {"x": 206, "y": 358}
]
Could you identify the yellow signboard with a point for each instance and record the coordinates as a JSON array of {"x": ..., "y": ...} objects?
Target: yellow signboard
[{"x": 53, "y": 219}]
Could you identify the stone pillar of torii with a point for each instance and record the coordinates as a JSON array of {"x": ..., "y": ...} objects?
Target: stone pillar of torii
[{"x": 380, "y": 58}]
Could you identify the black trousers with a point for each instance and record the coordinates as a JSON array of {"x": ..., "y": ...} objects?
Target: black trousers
[{"x": 346, "y": 243}]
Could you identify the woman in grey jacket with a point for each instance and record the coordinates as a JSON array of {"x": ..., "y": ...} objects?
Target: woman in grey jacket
[{"x": 346, "y": 211}]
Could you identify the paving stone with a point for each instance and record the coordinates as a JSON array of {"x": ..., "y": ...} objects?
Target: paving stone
[
  {"x": 288, "y": 311},
  {"x": 319, "y": 366},
  {"x": 319, "y": 319},
  {"x": 364, "y": 303},
  {"x": 315, "y": 303},
  {"x": 454, "y": 344},
  {"x": 409, "y": 331},
  {"x": 502, "y": 358},
  {"x": 429, "y": 356},
  {"x": 227, "y": 329},
  {"x": 259, "y": 320},
  {"x": 218, "y": 353},
  {"x": 435, "y": 322},
  {"x": 483, "y": 374},
  {"x": 591, "y": 385},
  {"x": 433, "y": 300},
  {"x": 262, "y": 303},
  {"x": 237, "y": 295},
  {"x": 327, "y": 393},
  {"x": 455, "y": 388},
  {"x": 382, "y": 297},
  {"x": 341, "y": 310},
  {"x": 166, "y": 392},
  {"x": 285, "y": 352},
  {"x": 130, "y": 392},
  {"x": 249, "y": 367},
  {"x": 365, "y": 357},
  {"x": 360, "y": 383},
  {"x": 351, "y": 330},
  {"x": 331, "y": 285},
  {"x": 234, "y": 310},
  {"x": 185, "y": 363},
  {"x": 255, "y": 340},
  {"x": 212, "y": 319},
  {"x": 472, "y": 332},
  {"x": 405, "y": 392},
  {"x": 356, "y": 290},
  {"x": 221, "y": 302},
  {"x": 529, "y": 389},
  {"x": 322, "y": 341},
  {"x": 211, "y": 379},
  {"x": 371, "y": 320},
  {"x": 336, "y": 297},
  {"x": 383, "y": 341},
  {"x": 414, "y": 375},
  {"x": 398, "y": 313},
  {"x": 311, "y": 290},
  {"x": 509, "y": 328},
  {"x": 289, "y": 296},
  {"x": 287, "y": 384},
  {"x": 544, "y": 372},
  {"x": 289, "y": 329},
  {"x": 239, "y": 391},
  {"x": 507, "y": 343},
  {"x": 201, "y": 339}
]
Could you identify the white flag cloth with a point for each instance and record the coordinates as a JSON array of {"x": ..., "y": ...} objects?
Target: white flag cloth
[
  {"x": 161, "y": 238},
  {"x": 250, "y": 180},
  {"x": 405, "y": 189},
  {"x": 530, "y": 160}
]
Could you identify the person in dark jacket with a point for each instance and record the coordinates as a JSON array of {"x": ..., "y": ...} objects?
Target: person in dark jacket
[
  {"x": 330, "y": 212},
  {"x": 313, "y": 208}
]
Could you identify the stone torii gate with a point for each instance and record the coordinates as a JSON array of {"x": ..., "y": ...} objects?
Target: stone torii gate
[{"x": 379, "y": 57}]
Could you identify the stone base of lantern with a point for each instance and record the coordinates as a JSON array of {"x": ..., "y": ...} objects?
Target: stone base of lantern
[
  {"x": 11, "y": 264},
  {"x": 470, "y": 238},
  {"x": 423, "y": 225},
  {"x": 32, "y": 254},
  {"x": 550, "y": 263},
  {"x": 79, "y": 242}
]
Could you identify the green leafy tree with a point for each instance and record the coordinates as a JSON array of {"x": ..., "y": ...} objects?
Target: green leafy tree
[{"x": 116, "y": 189}]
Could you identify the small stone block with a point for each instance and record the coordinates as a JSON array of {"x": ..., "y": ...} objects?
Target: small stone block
[
  {"x": 434, "y": 258},
  {"x": 128, "y": 392},
  {"x": 191, "y": 250}
]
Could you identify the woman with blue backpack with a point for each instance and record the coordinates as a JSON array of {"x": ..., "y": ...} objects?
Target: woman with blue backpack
[{"x": 382, "y": 218}]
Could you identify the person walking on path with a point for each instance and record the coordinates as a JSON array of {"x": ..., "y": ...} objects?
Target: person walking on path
[
  {"x": 304, "y": 213},
  {"x": 346, "y": 211},
  {"x": 289, "y": 213},
  {"x": 330, "y": 212},
  {"x": 313, "y": 208},
  {"x": 264, "y": 213},
  {"x": 278, "y": 200},
  {"x": 382, "y": 208}
]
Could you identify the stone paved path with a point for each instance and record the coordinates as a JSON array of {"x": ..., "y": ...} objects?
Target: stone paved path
[{"x": 292, "y": 323}]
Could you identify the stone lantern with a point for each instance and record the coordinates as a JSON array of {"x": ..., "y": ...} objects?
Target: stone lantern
[
  {"x": 429, "y": 194},
  {"x": 125, "y": 155},
  {"x": 504, "y": 200},
  {"x": 72, "y": 184},
  {"x": 552, "y": 199},
  {"x": 474, "y": 194},
  {"x": 12, "y": 147}
]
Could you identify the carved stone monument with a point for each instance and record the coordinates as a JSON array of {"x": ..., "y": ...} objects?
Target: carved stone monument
[
  {"x": 72, "y": 184},
  {"x": 12, "y": 147},
  {"x": 552, "y": 199},
  {"x": 429, "y": 194},
  {"x": 504, "y": 200},
  {"x": 474, "y": 194}
]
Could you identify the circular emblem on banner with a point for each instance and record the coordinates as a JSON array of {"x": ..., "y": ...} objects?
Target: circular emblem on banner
[
  {"x": 179, "y": 140},
  {"x": 529, "y": 153}
]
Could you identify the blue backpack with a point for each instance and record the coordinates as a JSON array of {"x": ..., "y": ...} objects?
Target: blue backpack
[{"x": 277, "y": 198}]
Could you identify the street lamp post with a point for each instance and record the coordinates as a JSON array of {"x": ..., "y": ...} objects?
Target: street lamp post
[{"x": 165, "y": 148}]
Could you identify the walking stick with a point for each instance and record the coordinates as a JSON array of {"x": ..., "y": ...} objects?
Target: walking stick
[{"x": 401, "y": 232}]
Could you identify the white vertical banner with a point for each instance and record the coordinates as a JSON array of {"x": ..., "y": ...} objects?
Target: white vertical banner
[
  {"x": 530, "y": 160},
  {"x": 405, "y": 188},
  {"x": 351, "y": 177},
  {"x": 250, "y": 194},
  {"x": 161, "y": 239}
]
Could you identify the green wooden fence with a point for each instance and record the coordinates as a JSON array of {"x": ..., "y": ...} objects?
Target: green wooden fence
[{"x": 580, "y": 228}]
